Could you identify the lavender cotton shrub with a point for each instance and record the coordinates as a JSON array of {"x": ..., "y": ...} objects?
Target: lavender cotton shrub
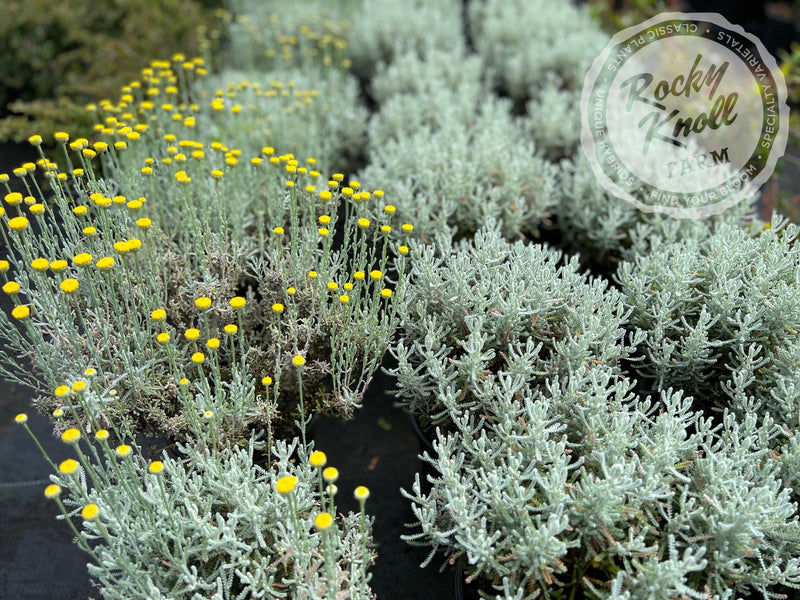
[
  {"x": 552, "y": 475},
  {"x": 485, "y": 305},
  {"x": 457, "y": 176},
  {"x": 721, "y": 316},
  {"x": 230, "y": 273},
  {"x": 169, "y": 286},
  {"x": 211, "y": 524},
  {"x": 382, "y": 30},
  {"x": 525, "y": 42}
]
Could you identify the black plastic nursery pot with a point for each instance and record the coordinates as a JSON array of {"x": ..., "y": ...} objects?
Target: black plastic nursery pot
[
  {"x": 379, "y": 449},
  {"x": 38, "y": 560}
]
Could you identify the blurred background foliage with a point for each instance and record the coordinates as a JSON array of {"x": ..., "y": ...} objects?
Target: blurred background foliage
[
  {"x": 777, "y": 24},
  {"x": 58, "y": 56}
]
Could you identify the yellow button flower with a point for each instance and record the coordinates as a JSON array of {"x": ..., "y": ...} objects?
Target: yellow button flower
[
  {"x": 11, "y": 287},
  {"x": 105, "y": 263},
  {"x": 21, "y": 312},
  {"x": 69, "y": 285},
  {"x": 68, "y": 467},
  {"x": 52, "y": 491},
  {"x": 323, "y": 520},
  {"x": 90, "y": 512},
  {"x": 317, "y": 459},
  {"x": 18, "y": 223},
  {"x": 84, "y": 258},
  {"x": 284, "y": 485},
  {"x": 71, "y": 436}
]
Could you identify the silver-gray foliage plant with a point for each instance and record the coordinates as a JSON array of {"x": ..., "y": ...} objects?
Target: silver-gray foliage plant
[
  {"x": 525, "y": 41},
  {"x": 552, "y": 473},
  {"x": 384, "y": 29},
  {"x": 461, "y": 176},
  {"x": 212, "y": 525}
]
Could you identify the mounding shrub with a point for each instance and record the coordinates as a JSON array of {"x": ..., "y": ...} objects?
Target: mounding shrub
[{"x": 553, "y": 475}]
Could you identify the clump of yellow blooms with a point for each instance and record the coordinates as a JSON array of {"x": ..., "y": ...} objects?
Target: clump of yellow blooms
[{"x": 156, "y": 137}]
